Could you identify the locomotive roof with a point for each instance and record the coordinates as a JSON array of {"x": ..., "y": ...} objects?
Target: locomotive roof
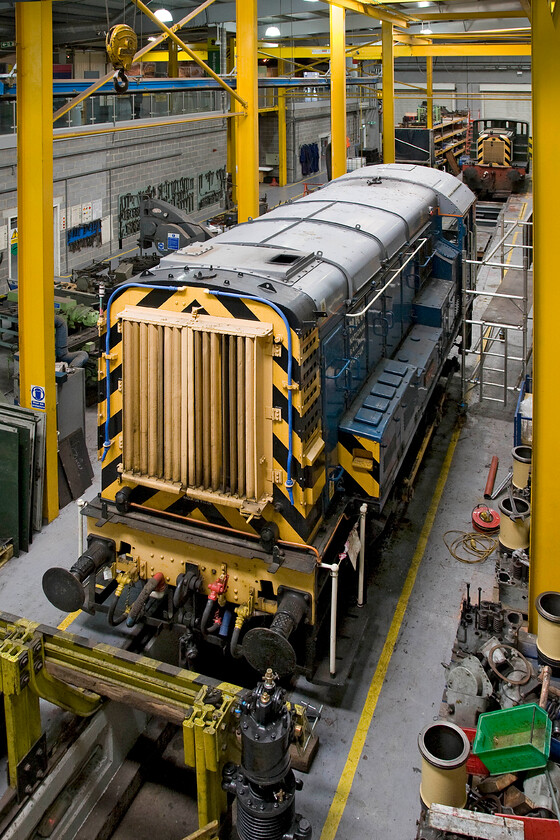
[{"x": 327, "y": 245}]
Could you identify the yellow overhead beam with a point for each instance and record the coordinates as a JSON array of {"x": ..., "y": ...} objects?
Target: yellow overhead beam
[
  {"x": 164, "y": 55},
  {"x": 388, "y": 81},
  {"x": 37, "y": 387},
  {"x": 437, "y": 17},
  {"x": 517, "y": 32},
  {"x": 171, "y": 34},
  {"x": 405, "y": 38},
  {"x": 406, "y": 51},
  {"x": 337, "y": 19},
  {"x": 138, "y": 57},
  {"x": 363, "y": 8},
  {"x": 544, "y": 572}
]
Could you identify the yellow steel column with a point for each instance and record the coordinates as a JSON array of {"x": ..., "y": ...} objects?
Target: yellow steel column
[
  {"x": 35, "y": 226},
  {"x": 173, "y": 63},
  {"x": 387, "y": 47},
  {"x": 247, "y": 141},
  {"x": 429, "y": 92},
  {"x": 338, "y": 90},
  {"x": 544, "y": 572},
  {"x": 282, "y": 140}
]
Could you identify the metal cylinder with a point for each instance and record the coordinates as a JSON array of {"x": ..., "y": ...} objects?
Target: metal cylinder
[
  {"x": 514, "y": 524},
  {"x": 444, "y": 748},
  {"x": 521, "y": 466},
  {"x": 65, "y": 588},
  {"x": 268, "y": 647},
  {"x": 489, "y": 488},
  {"x": 548, "y": 628}
]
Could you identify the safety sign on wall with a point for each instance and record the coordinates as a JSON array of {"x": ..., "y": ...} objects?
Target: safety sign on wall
[{"x": 38, "y": 397}]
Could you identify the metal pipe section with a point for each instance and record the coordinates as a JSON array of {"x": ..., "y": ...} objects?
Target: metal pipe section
[
  {"x": 81, "y": 503},
  {"x": 491, "y": 477},
  {"x": 362, "y": 562}
]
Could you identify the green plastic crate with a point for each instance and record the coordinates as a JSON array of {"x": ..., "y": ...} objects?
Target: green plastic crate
[{"x": 511, "y": 740}]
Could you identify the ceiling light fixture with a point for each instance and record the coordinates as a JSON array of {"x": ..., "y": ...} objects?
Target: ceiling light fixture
[
  {"x": 270, "y": 44},
  {"x": 425, "y": 30},
  {"x": 423, "y": 4},
  {"x": 272, "y": 32},
  {"x": 152, "y": 38},
  {"x": 164, "y": 15}
]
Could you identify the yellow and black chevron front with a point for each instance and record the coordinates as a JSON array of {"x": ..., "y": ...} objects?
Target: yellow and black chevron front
[
  {"x": 158, "y": 480},
  {"x": 360, "y": 459},
  {"x": 494, "y": 150}
]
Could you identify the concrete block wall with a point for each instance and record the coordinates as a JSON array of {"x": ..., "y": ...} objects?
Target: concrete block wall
[
  {"x": 104, "y": 167},
  {"x": 308, "y": 122}
]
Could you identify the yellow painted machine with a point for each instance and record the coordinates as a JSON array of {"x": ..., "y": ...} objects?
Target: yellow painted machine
[
  {"x": 499, "y": 157},
  {"x": 258, "y": 390}
]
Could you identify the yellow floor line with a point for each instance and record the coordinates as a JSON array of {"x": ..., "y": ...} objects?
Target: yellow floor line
[
  {"x": 65, "y": 624},
  {"x": 345, "y": 784}
]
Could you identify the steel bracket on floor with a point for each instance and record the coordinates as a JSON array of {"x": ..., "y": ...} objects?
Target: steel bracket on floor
[
  {"x": 77, "y": 675},
  {"x": 209, "y": 742}
]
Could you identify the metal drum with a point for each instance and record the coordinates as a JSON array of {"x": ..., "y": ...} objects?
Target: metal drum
[
  {"x": 515, "y": 523},
  {"x": 548, "y": 629},
  {"x": 444, "y": 748},
  {"x": 521, "y": 466}
]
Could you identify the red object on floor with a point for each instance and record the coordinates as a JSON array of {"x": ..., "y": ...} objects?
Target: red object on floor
[
  {"x": 274, "y": 183},
  {"x": 485, "y": 520},
  {"x": 536, "y": 828},
  {"x": 474, "y": 765}
]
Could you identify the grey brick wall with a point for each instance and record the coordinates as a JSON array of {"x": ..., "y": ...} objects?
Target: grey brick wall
[
  {"x": 103, "y": 167},
  {"x": 308, "y": 122}
]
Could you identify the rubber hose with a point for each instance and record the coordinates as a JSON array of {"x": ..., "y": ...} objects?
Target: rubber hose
[
  {"x": 138, "y": 606},
  {"x": 114, "y": 622},
  {"x": 206, "y": 617},
  {"x": 234, "y": 649}
]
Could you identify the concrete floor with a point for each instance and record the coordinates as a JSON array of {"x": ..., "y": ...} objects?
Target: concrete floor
[{"x": 368, "y": 731}]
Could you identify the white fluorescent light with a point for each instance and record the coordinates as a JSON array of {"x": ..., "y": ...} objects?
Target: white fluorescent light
[
  {"x": 269, "y": 44},
  {"x": 164, "y": 15},
  {"x": 272, "y": 32},
  {"x": 152, "y": 38},
  {"x": 425, "y": 31},
  {"x": 423, "y": 4}
]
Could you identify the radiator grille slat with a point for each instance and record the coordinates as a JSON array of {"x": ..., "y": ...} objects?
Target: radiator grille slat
[{"x": 190, "y": 397}]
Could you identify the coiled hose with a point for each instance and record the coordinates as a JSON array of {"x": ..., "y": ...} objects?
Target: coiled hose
[{"x": 476, "y": 547}]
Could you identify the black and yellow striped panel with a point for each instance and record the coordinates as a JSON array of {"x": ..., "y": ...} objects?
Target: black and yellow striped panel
[
  {"x": 296, "y": 523},
  {"x": 359, "y": 458}
]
